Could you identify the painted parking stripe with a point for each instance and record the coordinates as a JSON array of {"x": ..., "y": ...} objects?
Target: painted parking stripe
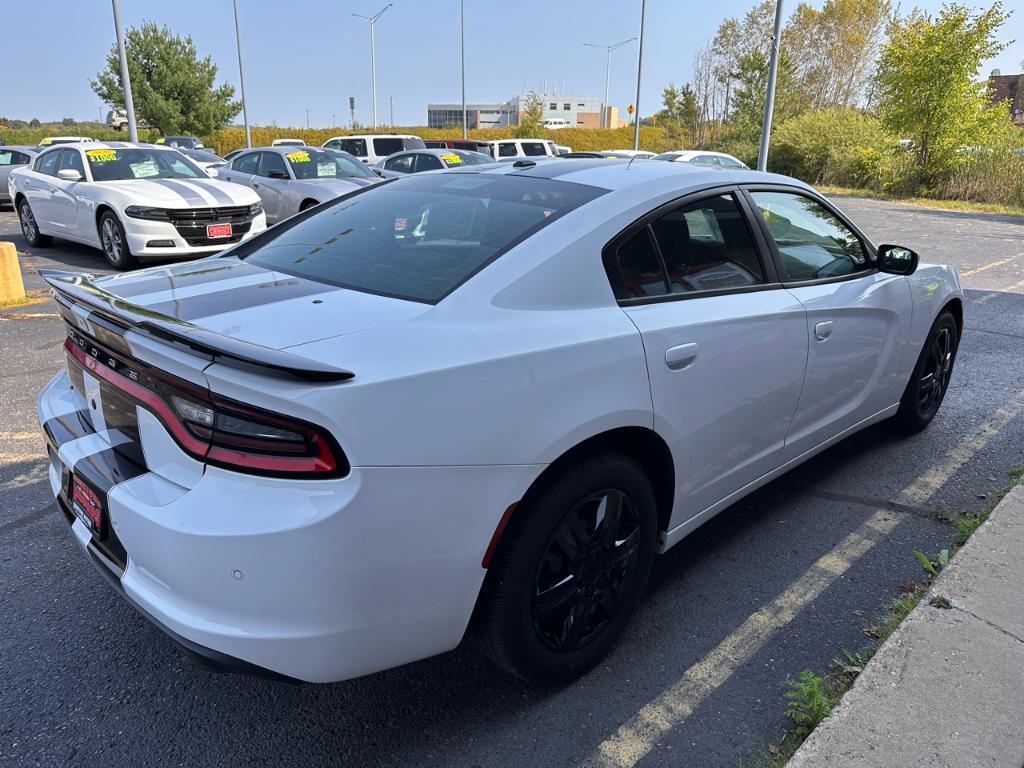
[
  {"x": 638, "y": 736},
  {"x": 984, "y": 267}
]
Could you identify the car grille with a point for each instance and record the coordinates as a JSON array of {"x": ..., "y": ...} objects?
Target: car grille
[{"x": 191, "y": 223}]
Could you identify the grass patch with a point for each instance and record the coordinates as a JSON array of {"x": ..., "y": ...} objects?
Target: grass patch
[
  {"x": 965, "y": 525},
  {"x": 927, "y": 202},
  {"x": 33, "y": 297}
]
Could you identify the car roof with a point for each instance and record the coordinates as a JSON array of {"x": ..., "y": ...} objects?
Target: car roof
[
  {"x": 624, "y": 174},
  {"x": 23, "y": 147},
  {"x": 375, "y": 136}
]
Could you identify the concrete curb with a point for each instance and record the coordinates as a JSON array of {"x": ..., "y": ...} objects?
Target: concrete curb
[{"x": 947, "y": 688}]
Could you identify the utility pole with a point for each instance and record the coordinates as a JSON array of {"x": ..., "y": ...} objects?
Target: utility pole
[
  {"x": 126, "y": 81},
  {"x": 769, "y": 99},
  {"x": 307, "y": 118},
  {"x": 241, "y": 76},
  {"x": 639, "y": 64},
  {"x": 391, "y": 99},
  {"x": 462, "y": 40},
  {"x": 373, "y": 57},
  {"x": 607, "y": 75},
  {"x": 352, "y": 110}
]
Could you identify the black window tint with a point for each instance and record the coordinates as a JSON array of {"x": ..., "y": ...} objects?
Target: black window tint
[
  {"x": 71, "y": 160},
  {"x": 419, "y": 237},
  {"x": 436, "y": 144},
  {"x": 812, "y": 242},
  {"x": 10, "y": 157},
  {"x": 271, "y": 161},
  {"x": 427, "y": 163},
  {"x": 401, "y": 164},
  {"x": 641, "y": 272},
  {"x": 246, "y": 163},
  {"x": 332, "y": 144},
  {"x": 507, "y": 150},
  {"x": 533, "y": 148},
  {"x": 355, "y": 147},
  {"x": 707, "y": 246},
  {"x": 47, "y": 163},
  {"x": 384, "y": 147}
]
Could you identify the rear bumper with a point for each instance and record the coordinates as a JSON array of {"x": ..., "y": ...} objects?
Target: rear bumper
[{"x": 315, "y": 581}]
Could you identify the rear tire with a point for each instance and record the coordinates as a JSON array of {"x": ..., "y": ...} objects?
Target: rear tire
[
  {"x": 569, "y": 571},
  {"x": 29, "y": 227},
  {"x": 930, "y": 379},
  {"x": 114, "y": 243}
]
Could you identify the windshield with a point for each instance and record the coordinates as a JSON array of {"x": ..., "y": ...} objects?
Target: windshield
[
  {"x": 201, "y": 156},
  {"x": 309, "y": 163},
  {"x": 110, "y": 164},
  {"x": 418, "y": 237}
]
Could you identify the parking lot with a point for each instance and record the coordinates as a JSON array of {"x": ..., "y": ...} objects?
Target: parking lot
[{"x": 780, "y": 582}]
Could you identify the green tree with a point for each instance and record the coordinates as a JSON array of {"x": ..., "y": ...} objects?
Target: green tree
[
  {"x": 679, "y": 114},
  {"x": 531, "y": 116},
  {"x": 173, "y": 88},
  {"x": 747, "y": 108},
  {"x": 926, "y": 86}
]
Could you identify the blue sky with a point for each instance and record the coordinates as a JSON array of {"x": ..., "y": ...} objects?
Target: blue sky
[{"x": 312, "y": 54}]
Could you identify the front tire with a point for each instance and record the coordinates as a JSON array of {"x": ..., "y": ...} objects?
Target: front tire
[
  {"x": 570, "y": 569},
  {"x": 114, "y": 243},
  {"x": 29, "y": 227},
  {"x": 930, "y": 379}
]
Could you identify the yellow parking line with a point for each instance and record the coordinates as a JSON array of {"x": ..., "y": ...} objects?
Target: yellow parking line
[
  {"x": 983, "y": 267},
  {"x": 1016, "y": 286},
  {"x": 638, "y": 736},
  {"x": 20, "y": 435},
  {"x": 14, "y": 458}
]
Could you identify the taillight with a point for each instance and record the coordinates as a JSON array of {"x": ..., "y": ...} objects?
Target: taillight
[{"x": 220, "y": 431}]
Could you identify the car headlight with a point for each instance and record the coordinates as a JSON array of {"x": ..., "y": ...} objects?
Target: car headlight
[
  {"x": 145, "y": 212},
  {"x": 256, "y": 209}
]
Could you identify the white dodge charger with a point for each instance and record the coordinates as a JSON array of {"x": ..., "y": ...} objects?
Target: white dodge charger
[
  {"x": 134, "y": 202},
  {"x": 478, "y": 401}
]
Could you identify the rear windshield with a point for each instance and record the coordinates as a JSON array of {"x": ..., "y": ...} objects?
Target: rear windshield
[{"x": 421, "y": 236}]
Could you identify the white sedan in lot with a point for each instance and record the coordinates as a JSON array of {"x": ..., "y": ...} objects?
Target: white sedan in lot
[
  {"x": 480, "y": 400},
  {"x": 132, "y": 201}
]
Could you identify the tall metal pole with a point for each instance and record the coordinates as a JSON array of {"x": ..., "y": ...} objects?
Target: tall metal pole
[
  {"x": 126, "y": 81},
  {"x": 391, "y": 99},
  {"x": 241, "y": 75},
  {"x": 639, "y": 64},
  {"x": 769, "y": 99},
  {"x": 462, "y": 35},
  {"x": 607, "y": 75},
  {"x": 373, "y": 57}
]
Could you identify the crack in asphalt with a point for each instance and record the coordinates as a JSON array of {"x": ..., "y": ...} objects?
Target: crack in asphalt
[
  {"x": 867, "y": 501},
  {"x": 995, "y": 333},
  {"x": 31, "y": 517}
]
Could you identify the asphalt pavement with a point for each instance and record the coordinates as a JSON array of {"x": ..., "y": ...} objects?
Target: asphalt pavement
[{"x": 779, "y": 582}]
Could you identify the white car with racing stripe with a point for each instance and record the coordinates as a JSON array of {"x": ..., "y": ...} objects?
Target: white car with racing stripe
[{"x": 132, "y": 201}]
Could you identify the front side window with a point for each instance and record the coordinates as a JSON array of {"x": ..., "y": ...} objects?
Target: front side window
[
  {"x": 707, "y": 247},
  {"x": 507, "y": 150},
  {"x": 428, "y": 163},
  {"x": 271, "y": 162},
  {"x": 402, "y": 164},
  {"x": 419, "y": 237},
  {"x": 812, "y": 242},
  {"x": 246, "y": 163},
  {"x": 70, "y": 160},
  {"x": 111, "y": 164},
  {"x": 533, "y": 148},
  {"x": 47, "y": 163},
  {"x": 311, "y": 163},
  {"x": 355, "y": 147}
]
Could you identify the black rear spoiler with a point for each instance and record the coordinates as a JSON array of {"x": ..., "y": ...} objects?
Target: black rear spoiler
[{"x": 78, "y": 288}]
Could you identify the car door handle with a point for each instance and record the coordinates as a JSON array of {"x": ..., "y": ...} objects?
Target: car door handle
[
  {"x": 823, "y": 330},
  {"x": 682, "y": 356}
]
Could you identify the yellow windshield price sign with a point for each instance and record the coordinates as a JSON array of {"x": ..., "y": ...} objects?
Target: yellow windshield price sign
[
  {"x": 45, "y": 143},
  {"x": 452, "y": 159},
  {"x": 298, "y": 157},
  {"x": 101, "y": 155},
  {"x": 160, "y": 141}
]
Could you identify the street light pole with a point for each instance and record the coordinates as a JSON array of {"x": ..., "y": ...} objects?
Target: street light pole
[
  {"x": 373, "y": 57},
  {"x": 769, "y": 99},
  {"x": 391, "y": 100},
  {"x": 126, "y": 81},
  {"x": 608, "y": 75},
  {"x": 462, "y": 41},
  {"x": 241, "y": 76},
  {"x": 639, "y": 64}
]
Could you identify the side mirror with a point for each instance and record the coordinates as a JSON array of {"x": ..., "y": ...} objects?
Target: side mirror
[
  {"x": 69, "y": 174},
  {"x": 277, "y": 175},
  {"x": 897, "y": 260},
  {"x": 378, "y": 171}
]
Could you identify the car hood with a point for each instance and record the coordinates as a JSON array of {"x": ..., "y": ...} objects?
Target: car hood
[
  {"x": 180, "y": 193},
  {"x": 233, "y": 298}
]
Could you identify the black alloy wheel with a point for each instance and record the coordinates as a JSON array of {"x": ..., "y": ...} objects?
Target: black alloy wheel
[{"x": 930, "y": 380}]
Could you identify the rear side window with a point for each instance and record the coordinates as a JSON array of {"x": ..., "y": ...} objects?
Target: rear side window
[
  {"x": 355, "y": 147},
  {"x": 10, "y": 157},
  {"x": 507, "y": 150},
  {"x": 246, "y": 163},
  {"x": 639, "y": 268},
  {"x": 533, "y": 148},
  {"x": 812, "y": 241},
  {"x": 418, "y": 237},
  {"x": 436, "y": 144},
  {"x": 707, "y": 246},
  {"x": 385, "y": 147}
]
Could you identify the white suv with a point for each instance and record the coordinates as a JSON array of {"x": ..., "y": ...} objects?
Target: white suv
[
  {"x": 374, "y": 147},
  {"x": 522, "y": 148}
]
